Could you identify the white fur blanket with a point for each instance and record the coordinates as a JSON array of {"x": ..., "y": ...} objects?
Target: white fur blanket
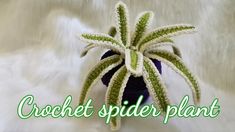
[{"x": 39, "y": 55}]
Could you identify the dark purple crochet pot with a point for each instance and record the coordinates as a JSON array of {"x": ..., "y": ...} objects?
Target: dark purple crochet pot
[{"x": 135, "y": 86}]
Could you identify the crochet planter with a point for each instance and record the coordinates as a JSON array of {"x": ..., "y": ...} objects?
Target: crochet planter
[{"x": 135, "y": 86}]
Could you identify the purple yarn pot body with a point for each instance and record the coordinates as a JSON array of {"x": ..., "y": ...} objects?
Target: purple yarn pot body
[{"x": 135, "y": 86}]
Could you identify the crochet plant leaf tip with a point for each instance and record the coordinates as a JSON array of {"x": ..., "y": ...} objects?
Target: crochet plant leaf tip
[{"x": 132, "y": 66}]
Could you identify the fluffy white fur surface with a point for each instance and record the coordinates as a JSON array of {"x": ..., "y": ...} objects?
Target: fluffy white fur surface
[{"x": 39, "y": 55}]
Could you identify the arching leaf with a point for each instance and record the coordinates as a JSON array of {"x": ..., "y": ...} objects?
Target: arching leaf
[
  {"x": 103, "y": 40},
  {"x": 177, "y": 65},
  {"x": 164, "y": 32},
  {"x": 161, "y": 42},
  {"x": 167, "y": 42},
  {"x": 97, "y": 72},
  {"x": 115, "y": 92},
  {"x": 155, "y": 85},
  {"x": 112, "y": 32}
]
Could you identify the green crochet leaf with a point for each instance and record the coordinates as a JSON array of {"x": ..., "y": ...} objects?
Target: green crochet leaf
[
  {"x": 97, "y": 72},
  {"x": 155, "y": 85},
  {"x": 175, "y": 49},
  {"x": 103, "y": 40},
  {"x": 141, "y": 26},
  {"x": 122, "y": 23},
  {"x": 112, "y": 32},
  {"x": 164, "y": 32},
  {"x": 177, "y": 65},
  {"x": 115, "y": 92},
  {"x": 134, "y": 62},
  {"x": 164, "y": 42}
]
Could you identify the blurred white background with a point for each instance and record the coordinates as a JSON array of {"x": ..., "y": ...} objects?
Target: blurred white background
[{"x": 39, "y": 55}]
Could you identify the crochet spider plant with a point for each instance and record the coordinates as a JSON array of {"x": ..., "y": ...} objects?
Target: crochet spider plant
[{"x": 136, "y": 51}]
